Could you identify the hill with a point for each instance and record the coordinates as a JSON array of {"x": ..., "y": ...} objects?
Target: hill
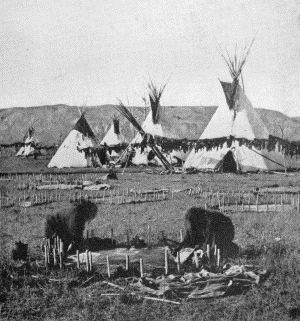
[{"x": 53, "y": 123}]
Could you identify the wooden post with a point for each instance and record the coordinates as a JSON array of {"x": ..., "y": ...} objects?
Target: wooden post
[
  {"x": 87, "y": 261},
  {"x": 54, "y": 254},
  {"x": 60, "y": 260},
  {"x": 196, "y": 259},
  {"x": 48, "y": 250},
  {"x": 208, "y": 251},
  {"x": 46, "y": 256},
  {"x": 61, "y": 250},
  {"x": 127, "y": 263},
  {"x": 166, "y": 261},
  {"x": 141, "y": 268},
  {"x": 257, "y": 198},
  {"x": 78, "y": 259},
  {"x": 90, "y": 261},
  {"x": 218, "y": 257},
  {"x": 108, "y": 266},
  {"x": 178, "y": 262}
]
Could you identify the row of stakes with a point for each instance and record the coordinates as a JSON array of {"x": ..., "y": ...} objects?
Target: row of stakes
[
  {"x": 121, "y": 198},
  {"x": 217, "y": 198},
  {"x": 44, "y": 198},
  {"x": 210, "y": 198},
  {"x": 58, "y": 259},
  {"x": 66, "y": 178}
]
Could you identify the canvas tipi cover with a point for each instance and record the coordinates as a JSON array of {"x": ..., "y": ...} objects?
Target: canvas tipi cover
[
  {"x": 240, "y": 122},
  {"x": 78, "y": 149},
  {"x": 155, "y": 124},
  {"x": 233, "y": 127},
  {"x": 114, "y": 137}
]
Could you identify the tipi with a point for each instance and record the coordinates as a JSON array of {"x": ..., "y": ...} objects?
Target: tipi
[
  {"x": 78, "y": 149},
  {"x": 225, "y": 144},
  {"x": 113, "y": 141},
  {"x": 155, "y": 124},
  {"x": 29, "y": 145},
  {"x": 114, "y": 137},
  {"x": 147, "y": 141}
]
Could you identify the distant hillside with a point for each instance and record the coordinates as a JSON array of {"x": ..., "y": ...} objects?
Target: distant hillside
[{"x": 53, "y": 123}]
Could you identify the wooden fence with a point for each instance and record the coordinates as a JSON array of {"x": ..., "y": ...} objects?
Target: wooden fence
[{"x": 226, "y": 201}]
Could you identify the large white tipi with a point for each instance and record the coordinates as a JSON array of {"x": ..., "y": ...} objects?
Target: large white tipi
[
  {"x": 78, "y": 149},
  {"x": 155, "y": 125},
  {"x": 228, "y": 142}
]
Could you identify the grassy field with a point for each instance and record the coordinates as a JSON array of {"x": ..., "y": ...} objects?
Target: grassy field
[{"x": 276, "y": 299}]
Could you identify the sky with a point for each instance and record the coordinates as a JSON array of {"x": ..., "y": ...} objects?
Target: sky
[{"x": 93, "y": 52}]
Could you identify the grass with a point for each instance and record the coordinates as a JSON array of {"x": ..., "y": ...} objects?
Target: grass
[{"x": 257, "y": 233}]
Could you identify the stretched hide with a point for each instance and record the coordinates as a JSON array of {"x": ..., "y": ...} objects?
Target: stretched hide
[
  {"x": 204, "y": 226},
  {"x": 68, "y": 223}
]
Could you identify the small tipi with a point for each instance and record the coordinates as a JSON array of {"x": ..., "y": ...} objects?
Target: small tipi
[
  {"x": 29, "y": 145},
  {"x": 114, "y": 137},
  {"x": 155, "y": 124},
  {"x": 224, "y": 140},
  {"x": 79, "y": 149}
]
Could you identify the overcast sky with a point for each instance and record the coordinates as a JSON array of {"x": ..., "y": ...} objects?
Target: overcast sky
[{"x": 92, "y": 52}]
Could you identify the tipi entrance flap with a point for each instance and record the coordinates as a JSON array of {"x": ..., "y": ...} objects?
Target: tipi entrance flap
[{"x": 227, "y": 164}]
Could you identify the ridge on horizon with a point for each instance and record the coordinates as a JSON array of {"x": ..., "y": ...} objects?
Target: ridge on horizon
[{"x": 52, "y": 123}]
